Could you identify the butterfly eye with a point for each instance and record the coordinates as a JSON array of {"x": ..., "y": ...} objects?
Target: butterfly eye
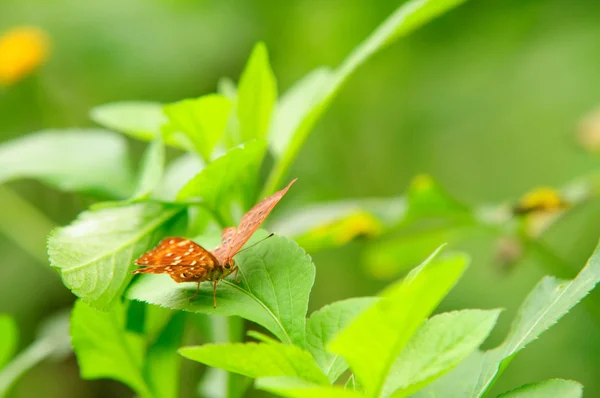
[{"x": 227, "y": 265}]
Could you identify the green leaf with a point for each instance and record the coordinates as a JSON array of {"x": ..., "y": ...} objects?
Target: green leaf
[
  {"x": 105, "y": 349},
  {"x": 554, "y": 388},
  {"x": 439, "y": 345},
  {"x": 95, "y": 253},
  {"x": 152, "y": 169},
  {"x": 9, "y": 336},
  {"x": 324, "y": 324},
  {"x": 81, "y": 160},
  {"x": 293, "y": 387},
  {"x": 230, "y": 177},
  {"x": 545, "y": 305},
  {"x": 52, "y": 342},
  {"x": 314, "y": 94},
  {"x": 389, "y": 324},
  {"x": 162, "y": 365},
  {"x": 258, "y": 360},
  {"x": 138, "y": 119},
  {"x": 257, "y": 94},
  {"x": 202, "y": 121},
  {"x": 178, "y": 173},
  {"x": 427, "y": 199},
  {"x": 276, "y": 277}
]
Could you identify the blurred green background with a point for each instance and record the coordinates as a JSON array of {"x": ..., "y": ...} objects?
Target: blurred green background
[{"x": 486, "y": 99}]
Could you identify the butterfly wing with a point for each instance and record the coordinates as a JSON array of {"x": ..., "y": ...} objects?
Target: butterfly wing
[
  {"x": 227, "y": 238},
  {"x": 254, "y": 218},
  {"x": 181, "y": 258}
]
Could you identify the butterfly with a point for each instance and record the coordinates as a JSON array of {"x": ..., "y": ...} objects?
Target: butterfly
[{"x": 186, "y": 261}]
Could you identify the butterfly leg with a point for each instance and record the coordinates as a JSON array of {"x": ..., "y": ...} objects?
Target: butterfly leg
[
  {"x": 215, "y": 293},
  {"x": 236, "y": 269},
  {"x": 197, "y": 290}
]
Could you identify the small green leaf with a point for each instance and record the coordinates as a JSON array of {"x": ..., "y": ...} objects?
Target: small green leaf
[
  {"x": 312, "y": 96},
  {"x": 257, "y": 94},
  {"x": 427, "y": 199},
  {"x": 9, "y": 337},
  {"x": 293, "y": 387},
  {"x": 95, "y": 253},
  {"x": 151, "y": 171},
  {"x": 276, "y": 277},
  {"x": 324, "y": 324},
  {"x": 230, "y": 177},
  {"x": 373, "y": 341},
  {"x": 202, "y": 121},
  {"x": 554, "y": 388},
  {"x": 162, "y": 365},
  {"x": 89, "y": 160},
  {"x": 258, "y": 360},
  {"x": 439, "y": 345},
  {"x": 549, "y": 301},
  {"x": 138, "y": 119},
  {"x": 105, "y": 349}
]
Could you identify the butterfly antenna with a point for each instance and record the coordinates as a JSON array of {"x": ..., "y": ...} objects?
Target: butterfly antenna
[{"x": 254, "y": 244}]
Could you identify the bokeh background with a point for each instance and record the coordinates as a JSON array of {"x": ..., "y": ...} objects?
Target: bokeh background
[{"x": 487, "y": 99}]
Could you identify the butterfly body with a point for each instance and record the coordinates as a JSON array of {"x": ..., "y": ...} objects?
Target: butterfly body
[{"x": 186, "y": 261}]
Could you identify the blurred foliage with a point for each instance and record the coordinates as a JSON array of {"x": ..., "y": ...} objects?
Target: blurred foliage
[{"x": 485, "y": 99}]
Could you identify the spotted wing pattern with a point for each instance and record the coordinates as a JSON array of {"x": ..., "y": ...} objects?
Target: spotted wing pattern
[
  {"x": 221, "y": 251},
  {"x": 253, "y": 219},
  {"x": 180, "y": 258}
]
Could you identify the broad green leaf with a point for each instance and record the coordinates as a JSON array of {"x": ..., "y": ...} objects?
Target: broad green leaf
[
  {"x": 151, "y": 171},
  {"x": 439, "y": 345},
  {"x": 9, "y": 336},
  {"x": 162, "y": 365},
  {"x": 177, "y": 173},
  {"x": 257, "y": 94},
  {"x": 202, "y": 121},
  {"x": 52, "y": 342},
  {"x": 138, "y": 119},
  {"x": 333, "y": 224},
  {"x": 95, "y": 254},
  {"x": 389, "y": 324},
  {"x": 230, "y": 177},
  {"x": 276, "y": 277},
  {"x": 293, "y": 387},
  {"x": 554, "y": 388},
  {"x": 319, "y": 89},
  {"x": 258, "y": 360},
  {"x": 105, "y": 349},
  {"x": 549, "y": 301},
  {"x": 81, "y": 160},
  {"x": 324, "y": 324}
]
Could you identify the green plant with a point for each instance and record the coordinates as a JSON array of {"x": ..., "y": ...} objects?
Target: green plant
[{"x": 131, "y": 332}]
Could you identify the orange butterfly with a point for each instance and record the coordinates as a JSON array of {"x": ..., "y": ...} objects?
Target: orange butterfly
[{"x": 187, "y": 261}]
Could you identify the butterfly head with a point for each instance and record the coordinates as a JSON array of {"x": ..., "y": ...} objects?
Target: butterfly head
[{"x": 229, "y": 263}]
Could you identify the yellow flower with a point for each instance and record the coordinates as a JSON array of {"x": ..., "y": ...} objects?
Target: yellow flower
[
  {"x": 541, "y": 199},
  {"x": 22, "y": 50}
]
